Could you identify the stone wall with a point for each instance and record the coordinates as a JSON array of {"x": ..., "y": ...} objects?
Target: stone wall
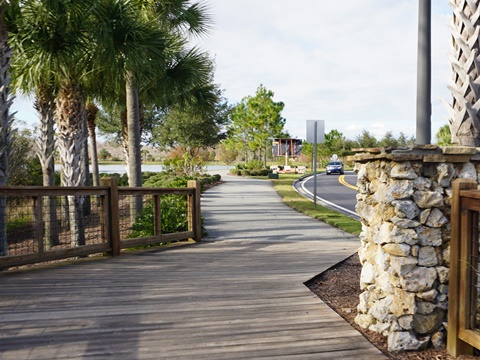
[{"x": 404, "y": 198}]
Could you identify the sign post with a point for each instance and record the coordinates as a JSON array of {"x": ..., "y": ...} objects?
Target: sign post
[
  {"x": 315, "y": 135},
  {"x": 424, "y": 73}
]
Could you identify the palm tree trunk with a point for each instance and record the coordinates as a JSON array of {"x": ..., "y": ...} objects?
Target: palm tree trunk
[
  {"x": 45, "y": 149},
  {"x": 85, "y": 167},
  {"x": 134, "y": 135},
  {"x": 92, "y": 111},
  {"x": 123, "y": 116},
  {"x": 464, "y": 112},
  {"x": 6, "y": 120},
  {"x": 134, "y": 143},
  {"x": 71, "y": 139}
]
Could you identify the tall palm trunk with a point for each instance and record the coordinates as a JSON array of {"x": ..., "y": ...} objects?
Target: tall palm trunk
[
  {"x": 71, "y": 138},
  {"x": 6, "y": 120},
  {"x": 45, "y": 149},
  {"x": 134, "y": 133},
  {"x": 134, "y": 143},
  {"x": 123, "y": 116},
  {"x": 85, "y": 164},
  {"x": 92, "y": 111},
  {"x": 465, "y": 108}
]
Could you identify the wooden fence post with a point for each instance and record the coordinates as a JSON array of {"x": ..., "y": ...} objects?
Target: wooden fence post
[
  {"x": 112, "y": 215},
  {"x": 455, "y": 346},
  {"x": 157, "y": 221},
  {"x": 38, "y": 216},
  {"x": 194, "y": 211}
]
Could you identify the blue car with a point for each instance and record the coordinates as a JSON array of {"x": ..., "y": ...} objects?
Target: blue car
[{"x": 334, "y": 167}]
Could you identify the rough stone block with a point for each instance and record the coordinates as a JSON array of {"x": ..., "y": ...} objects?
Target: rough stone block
[
  {"x": 403, "y": 303},
  {"x": 364, "y": 320},
  {"x": 428, "y": 199},
  {"x": 425, "y": 307},
  {"x": 428, "y": 323},
  {"x": 381, "y": 308},
  {"x": 403, "y": 171},
  {"x": 403, "y": 265},
  {"x": 443, "y": 274},
  {"x": 467, "y": 171},
  {"x": 404, "y": 341},
  {"x": 406, "y": 209},
  {"x": 445, "y": 174},
  {"x": 422, "y": 183},
  {"x": 462, "y": 150},
  {"x": 429, "y": 295},
  {"x": 404, "y": 223},
  {"x": 429, "y": 236},
  {"x": 397, "y": 249},
  {"x": 406, "y": 322},
  {"x": 436, "y": 219},
  {"x": 419, "y": 279},
  {"x": 427, "y": 256}
]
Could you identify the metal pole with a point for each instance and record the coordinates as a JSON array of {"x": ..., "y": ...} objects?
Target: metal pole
[
  {"x": 315, "y": 166},
  {"x": 424, "y": 77}
]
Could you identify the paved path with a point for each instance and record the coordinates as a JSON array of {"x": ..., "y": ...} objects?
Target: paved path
[{"x": 238, "y": 295}]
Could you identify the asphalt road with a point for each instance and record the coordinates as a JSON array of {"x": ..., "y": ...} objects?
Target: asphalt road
[{"x": 336, "y": 191}]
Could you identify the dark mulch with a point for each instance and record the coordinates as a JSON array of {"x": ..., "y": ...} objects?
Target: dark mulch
[{"x": 339, "y": 288}]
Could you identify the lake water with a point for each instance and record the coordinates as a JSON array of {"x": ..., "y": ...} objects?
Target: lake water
[{"x": 120, "y": 169}]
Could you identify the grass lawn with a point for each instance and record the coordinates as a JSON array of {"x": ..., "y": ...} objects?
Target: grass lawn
[{"x": 284, "y": 187}]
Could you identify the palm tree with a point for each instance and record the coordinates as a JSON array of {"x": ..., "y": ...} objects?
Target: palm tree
[
  {"x": 130, "y": 47},
  {"x": 464, "y": 110},
  {"x": 52, "y": 43},
  {"x": 33, "y": 69},
  {"x": 178, "y": 17},
  {"x": 6, "y": 119}
]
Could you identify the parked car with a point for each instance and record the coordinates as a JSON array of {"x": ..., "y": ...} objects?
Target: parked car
[{"x": 334, "y": 167}]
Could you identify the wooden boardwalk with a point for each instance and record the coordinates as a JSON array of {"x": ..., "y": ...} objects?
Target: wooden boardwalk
[{"x": 216, "y": 300}]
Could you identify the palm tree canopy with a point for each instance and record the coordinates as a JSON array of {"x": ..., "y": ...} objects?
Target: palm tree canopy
[
  {"x": 181, "y": 16},
  {"x": 51, "y": 42}
]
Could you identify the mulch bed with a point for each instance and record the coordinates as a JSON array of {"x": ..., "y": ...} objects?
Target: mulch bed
[{"x": 339, "y": 288}]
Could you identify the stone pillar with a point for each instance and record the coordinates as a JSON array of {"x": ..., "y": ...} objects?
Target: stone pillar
[{"x": 404, "y": 198}]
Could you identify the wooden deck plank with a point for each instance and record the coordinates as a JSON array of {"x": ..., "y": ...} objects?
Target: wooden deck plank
[{"x": 217, "y": 300}]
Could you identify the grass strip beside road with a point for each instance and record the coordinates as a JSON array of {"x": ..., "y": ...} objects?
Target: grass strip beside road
[{"x": 284, "y": 187}]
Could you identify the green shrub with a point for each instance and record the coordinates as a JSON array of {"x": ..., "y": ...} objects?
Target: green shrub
[
  {"x": 254, "y": 164},
  {"x": 173, "y": 217},
  {"x": 216, "y": 177},
  {"x": 206, "y": 180},
  {"x": 144, "y": 223},
  {"x": 122, "y": 179}
]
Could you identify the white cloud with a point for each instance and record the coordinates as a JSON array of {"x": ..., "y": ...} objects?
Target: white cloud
[{"x": 351, "y": 64}]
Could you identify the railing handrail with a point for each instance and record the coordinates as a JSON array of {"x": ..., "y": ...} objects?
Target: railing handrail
[{"x": 109, "y": 194}]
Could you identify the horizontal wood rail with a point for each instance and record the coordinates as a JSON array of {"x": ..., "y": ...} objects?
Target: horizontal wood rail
[{"x": 33, "y": 232}]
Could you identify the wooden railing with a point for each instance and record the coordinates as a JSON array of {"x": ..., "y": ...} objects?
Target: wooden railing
[
  {"x": 464, "y": 283},
  {"x": 36, "y": 222}
]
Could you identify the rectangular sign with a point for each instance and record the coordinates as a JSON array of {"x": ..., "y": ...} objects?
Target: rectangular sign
[{"x": 320, "y": 131}]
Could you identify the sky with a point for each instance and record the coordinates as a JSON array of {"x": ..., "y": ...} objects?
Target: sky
[{"x": 351, "y": 63}]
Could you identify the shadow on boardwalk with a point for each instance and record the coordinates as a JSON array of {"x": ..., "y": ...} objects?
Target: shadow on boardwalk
[{"x": 238, "y": 295}]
